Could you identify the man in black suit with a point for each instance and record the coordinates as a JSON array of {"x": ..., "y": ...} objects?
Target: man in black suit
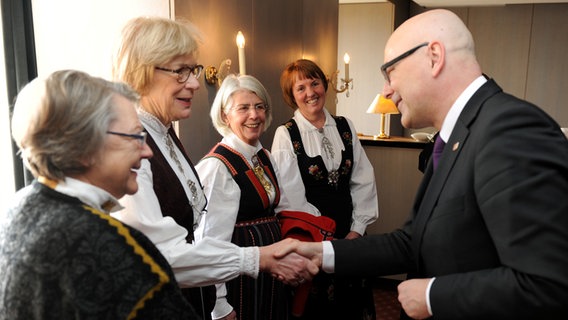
[{"x": 487, "y": 237}]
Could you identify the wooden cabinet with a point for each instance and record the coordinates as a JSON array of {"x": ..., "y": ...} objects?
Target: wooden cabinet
[{"x": 395, "y": 162}]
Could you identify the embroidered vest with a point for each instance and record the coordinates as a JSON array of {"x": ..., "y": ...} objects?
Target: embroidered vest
[
  {"x": 332, "y": 199},
  {"x": 254, "y": 202},
  {"x": 174, "y": 203},
  {"x": 169, "y": 190}
]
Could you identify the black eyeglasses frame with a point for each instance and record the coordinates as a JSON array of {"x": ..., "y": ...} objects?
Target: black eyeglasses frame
[
  {"x": 389, "y": 64},
  {"x": 141, "y": 137}
]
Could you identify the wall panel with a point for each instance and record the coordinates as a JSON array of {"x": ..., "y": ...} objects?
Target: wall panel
[
  {"x": 276, "y": 32},
  {"x": 547, "y": 80},
  {"x": 502, "y": 39}
]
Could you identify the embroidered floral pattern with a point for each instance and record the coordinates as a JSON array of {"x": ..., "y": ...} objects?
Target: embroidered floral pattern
[
  {"x": 333, "y": 178},
  {"x": 297, "y": 145},
  {"x": 347, "y": 167},
  {"x": 347, "y": 137},
  {"x": 315, "y": 171}
]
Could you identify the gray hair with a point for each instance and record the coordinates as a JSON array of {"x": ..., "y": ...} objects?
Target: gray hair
[
  {"x": 224, "y": 99},
  {"x": 60, "y": 122}
]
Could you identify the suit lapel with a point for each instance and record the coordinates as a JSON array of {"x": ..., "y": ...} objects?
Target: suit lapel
[{"x": 434, "y": 182}]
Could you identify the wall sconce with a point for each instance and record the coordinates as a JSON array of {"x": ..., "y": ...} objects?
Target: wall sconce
[
  {"x": 214, "y": 76},
  {"x": 383, "y": 106},
  {"x": 345, "y": 82}
]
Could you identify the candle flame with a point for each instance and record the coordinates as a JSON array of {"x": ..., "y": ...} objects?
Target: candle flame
[{"x": 240, "y": 40}]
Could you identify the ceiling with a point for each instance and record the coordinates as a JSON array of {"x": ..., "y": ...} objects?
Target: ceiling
[{"x": 463, "y": 3}]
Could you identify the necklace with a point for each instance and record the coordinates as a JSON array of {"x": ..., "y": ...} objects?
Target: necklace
[
  {"x": 326, "y": 145},
  {"x": 192, "y": 187},
  {"x": 259, "y": 173},
  {"x": 333, "y": 175}
]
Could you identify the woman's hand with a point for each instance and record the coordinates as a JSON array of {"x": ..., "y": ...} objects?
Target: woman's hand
[
  {"x": 230, "y": 316},
  {"x": 352, "y": 235}
]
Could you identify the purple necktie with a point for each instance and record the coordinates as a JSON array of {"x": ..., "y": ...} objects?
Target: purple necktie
[{"x": 437, "y": 152}]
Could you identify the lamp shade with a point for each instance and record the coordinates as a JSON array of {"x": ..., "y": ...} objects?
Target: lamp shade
[{"x": 382, "y": 105}]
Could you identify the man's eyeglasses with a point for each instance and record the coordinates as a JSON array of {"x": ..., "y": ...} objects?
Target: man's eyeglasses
[
  {"x": 389, "y": 64},
  {"x": 184, "y": 72},
  {"x": 244, "y": 108},
  {"x": 141, "y": 138}
]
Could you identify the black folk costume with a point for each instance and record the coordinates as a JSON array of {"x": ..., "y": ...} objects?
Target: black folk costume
[
  {"x": 256, "y": 225},
  {"x": 333, "y": 297},
  {"x": 174, "y": 203},
  {"x": 168, "y": 207}
]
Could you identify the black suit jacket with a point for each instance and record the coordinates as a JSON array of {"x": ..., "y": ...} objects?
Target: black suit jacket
[{"x": 491, "y": 224}]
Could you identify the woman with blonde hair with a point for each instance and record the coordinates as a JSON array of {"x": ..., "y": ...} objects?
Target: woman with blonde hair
[{"x": 158, "y": 57}]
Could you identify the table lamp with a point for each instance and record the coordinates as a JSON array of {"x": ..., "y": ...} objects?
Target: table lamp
[{"x": 383, "y": 106}]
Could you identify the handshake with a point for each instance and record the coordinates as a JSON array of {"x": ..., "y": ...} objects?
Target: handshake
[{"x": 292, "y": 261}]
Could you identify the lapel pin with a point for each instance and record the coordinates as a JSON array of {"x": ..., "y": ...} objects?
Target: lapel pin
[{"x": 455, "y": 146}]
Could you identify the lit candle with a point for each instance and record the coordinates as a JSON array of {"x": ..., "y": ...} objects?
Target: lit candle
[
  {"x": 346, "y": 59},
  {"x": 241, "y": 46}
]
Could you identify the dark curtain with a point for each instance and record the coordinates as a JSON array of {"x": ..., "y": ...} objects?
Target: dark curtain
[{"x": 20, "y": 60}]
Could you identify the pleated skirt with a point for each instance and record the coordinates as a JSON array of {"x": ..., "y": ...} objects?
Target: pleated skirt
[{"x": 264, "y": 298}]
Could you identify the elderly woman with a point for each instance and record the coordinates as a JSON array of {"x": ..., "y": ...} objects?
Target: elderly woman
[
  {"x": 158, "y": 58},
  {"x": 241, "y": 184},
  {"x": 326, "y": 167},
  {"x": 62, "y": 256}
]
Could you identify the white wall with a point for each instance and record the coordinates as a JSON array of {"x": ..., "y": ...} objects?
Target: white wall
[
  {"x": 71, "y": 34},
  {"x": 364, "y": 29},
  {"x": 81, "y": 35}
]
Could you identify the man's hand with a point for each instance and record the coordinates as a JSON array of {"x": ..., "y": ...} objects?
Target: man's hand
[
  {"x": 281, "y": 260},
  {"x": 412, "y": 297}
]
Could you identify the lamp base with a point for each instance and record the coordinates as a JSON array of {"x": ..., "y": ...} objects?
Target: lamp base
[{"x": 381, "y": 135}]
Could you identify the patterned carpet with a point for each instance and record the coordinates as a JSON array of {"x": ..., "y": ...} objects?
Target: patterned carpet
[{"x": 386, "y": 304}]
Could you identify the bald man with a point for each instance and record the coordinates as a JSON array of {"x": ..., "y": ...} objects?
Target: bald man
[{"x": 487, "y": 237}]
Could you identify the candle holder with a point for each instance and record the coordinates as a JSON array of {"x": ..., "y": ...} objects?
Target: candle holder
[
  {"x": 346, "y": 84},
  {"x": 214, "y": 76},
  {"x": 345, "y": 81}
]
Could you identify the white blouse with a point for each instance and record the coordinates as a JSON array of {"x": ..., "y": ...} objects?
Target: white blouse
[
  {"x": 362, "y": 185},
  {"x": 205, "y": 262}
]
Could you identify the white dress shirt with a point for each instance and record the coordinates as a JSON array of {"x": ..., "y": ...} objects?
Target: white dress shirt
[{"x": 206, "y": 262}]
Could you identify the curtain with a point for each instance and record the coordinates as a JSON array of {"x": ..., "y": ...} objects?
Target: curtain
[{"x": 21, "y": 66}]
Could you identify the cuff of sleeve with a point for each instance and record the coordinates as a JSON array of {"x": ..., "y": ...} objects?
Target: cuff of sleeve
[
  {"x": 428, "y": 296},
  {"x": 250, "y": 261},
  {"x": 358, "y": 227},
  {"x": 328, "y": 257},
  {"x": 222, "y": 308}
]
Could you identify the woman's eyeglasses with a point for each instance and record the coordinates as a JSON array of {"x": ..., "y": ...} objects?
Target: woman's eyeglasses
[
  {"x": 141, "y": 138},
  {"x": 184, "y": 72},
  {"x": 244, "y": 108}
]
